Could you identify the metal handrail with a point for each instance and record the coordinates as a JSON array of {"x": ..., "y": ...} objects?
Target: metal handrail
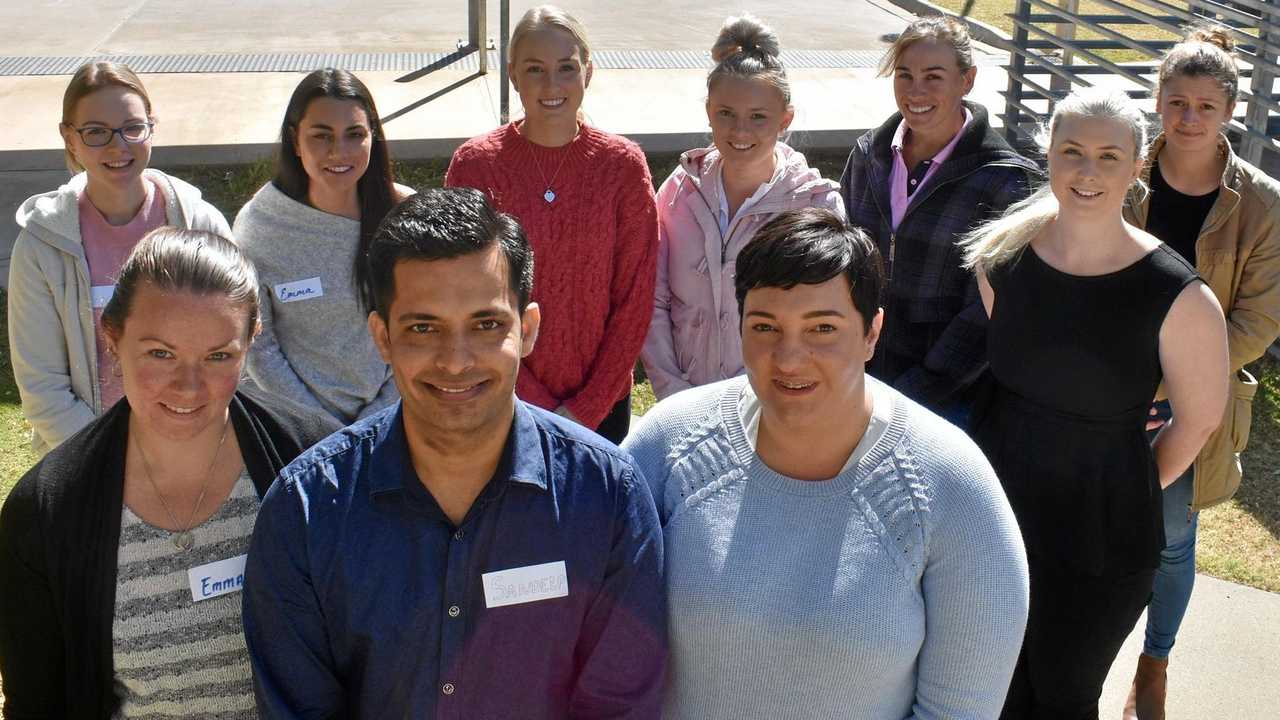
[{"x": 1041, "y": 29}]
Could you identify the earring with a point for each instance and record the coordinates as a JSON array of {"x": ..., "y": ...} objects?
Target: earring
[{"x": 115, "y": 363}]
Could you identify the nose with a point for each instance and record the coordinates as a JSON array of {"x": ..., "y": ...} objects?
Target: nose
[
  {"x": 1188, "y": 115},
  {"x": 789, "y": 353},
  {"x": 455, "y": 356},
  {"x": 187, "y": 379}
]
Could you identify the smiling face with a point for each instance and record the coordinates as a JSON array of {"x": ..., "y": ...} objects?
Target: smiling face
[
  {"x": 1193, "y": 109},
  {"x": 1092, "y": 163},
  {"x": 548, "y": 73},
  {"x": 805, "y": 351},
  {"x": 180, "y": 357},
  {"x": 454, "y": 340},
  {"x": 117, "y": 164},
  {"x": 928, "y": 86},
  {"x": 747, "y": 115},
  {"x": 334, "y": 142}
]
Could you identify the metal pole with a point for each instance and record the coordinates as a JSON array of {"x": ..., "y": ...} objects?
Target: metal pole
[
  {"x": 1017, "y": 66},
  {"x": 1066, "y": 31},
  {"x": 504, "y": 37},
  {"x": 479, "y": 27},
  {"x": 1261, "y": 85}
]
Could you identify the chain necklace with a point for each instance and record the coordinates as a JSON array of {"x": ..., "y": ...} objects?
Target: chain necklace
[
  {"x": 183, "y": 539},
  {"x": 549, "y": 194}
]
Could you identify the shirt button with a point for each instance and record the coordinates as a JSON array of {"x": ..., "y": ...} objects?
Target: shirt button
[
  {"x": 454, "y": 611},
  {"x": 913, "y": 181},
  {"x": 458, "y": 535},
  {"x": 447, "y": 689}
]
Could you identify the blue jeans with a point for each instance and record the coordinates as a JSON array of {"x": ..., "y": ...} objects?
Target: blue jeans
[{"x": 1177, "y": 572}]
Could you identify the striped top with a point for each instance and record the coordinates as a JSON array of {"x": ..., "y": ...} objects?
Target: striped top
[{"x": 173, "y": 656}]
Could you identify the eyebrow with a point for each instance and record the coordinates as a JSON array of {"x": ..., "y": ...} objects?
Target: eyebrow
[
  {"x": 928, "y": 69},
  {"x": 1104, "y": 147},
  {"x": 322, "y": 126},
  {"x": 807, "y": 316},
  {"x": 569, "y": 58},
  {"x": 171, "y": 347},
  {"x": 477, "y": 315}
]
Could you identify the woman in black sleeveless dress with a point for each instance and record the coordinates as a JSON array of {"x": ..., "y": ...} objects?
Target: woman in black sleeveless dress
[{"x": 1088, "y": 316}]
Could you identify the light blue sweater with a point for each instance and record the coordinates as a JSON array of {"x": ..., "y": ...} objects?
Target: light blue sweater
[{"x": 897, "y": 589}]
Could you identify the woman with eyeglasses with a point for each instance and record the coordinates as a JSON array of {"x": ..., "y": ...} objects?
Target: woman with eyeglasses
[{"x": 73, "y": 242}]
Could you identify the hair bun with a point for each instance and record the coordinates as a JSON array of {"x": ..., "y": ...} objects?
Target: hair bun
[
  {"x": 746, "y": 34},
  {"x": 1213, "y": 35}
]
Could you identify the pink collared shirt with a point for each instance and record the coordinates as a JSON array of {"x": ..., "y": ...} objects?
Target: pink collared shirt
[{"x": 898, "y": 199}]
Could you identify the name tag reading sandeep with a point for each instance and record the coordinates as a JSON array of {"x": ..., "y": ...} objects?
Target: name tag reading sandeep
[
  {"x": 217, "y": 578},
  {"x": 299, "y": 290},
  {"x": 525, "y": 584},
  {"x": 100, "y": 295}
]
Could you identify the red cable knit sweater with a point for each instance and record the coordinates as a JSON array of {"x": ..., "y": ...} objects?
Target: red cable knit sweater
[{"x": 595, "y": 249}]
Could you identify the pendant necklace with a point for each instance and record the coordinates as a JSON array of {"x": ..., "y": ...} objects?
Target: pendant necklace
[
  {"x": 183, "y": 539},
  {"x": 549, "y": 194}
]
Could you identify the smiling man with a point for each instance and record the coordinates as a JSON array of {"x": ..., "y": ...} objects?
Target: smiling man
[
  {"x": 463, "y": 554},
  {"x": 832, "y": 548}
]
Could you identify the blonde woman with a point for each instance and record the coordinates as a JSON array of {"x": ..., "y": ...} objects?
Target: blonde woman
[
  {"x": 1088, "y": 316},
  {"x": 585, "y": 198},
  {"x": 716, "y": 200},
  {"x": 1220, "y": 214},
  {"x": 73, "y": 242}
]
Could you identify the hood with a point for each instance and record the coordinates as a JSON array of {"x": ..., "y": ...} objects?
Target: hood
[
  {"x": 798, "y": 186},
  {"x": 54, "y": 216}
]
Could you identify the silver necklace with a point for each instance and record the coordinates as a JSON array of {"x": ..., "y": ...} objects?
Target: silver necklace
[
  {"x": 549, "y": 194},
  {"x": 183, "y": 539}
]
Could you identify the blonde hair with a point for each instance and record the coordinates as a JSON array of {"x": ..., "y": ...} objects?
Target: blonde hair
[
  {"x": 747, "y": 48},
  {"x": 937, "y": 28},
  {"x": 998, "y": 241},
  {"x": 1206, "y": 51},
  {"x": 549, "y": 16},
  {"x": 90, "y": 78}
]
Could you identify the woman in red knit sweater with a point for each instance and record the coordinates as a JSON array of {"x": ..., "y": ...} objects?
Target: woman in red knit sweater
[{"x": 585, "y": 199}]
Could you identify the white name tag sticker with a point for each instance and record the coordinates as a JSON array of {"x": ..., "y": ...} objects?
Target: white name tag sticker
[
  {"x": 525, "y": 584},
  {"x": 299, "y": 290},
  {"x": 217, "y": 578},
  {"x": 101, "y": 295}
]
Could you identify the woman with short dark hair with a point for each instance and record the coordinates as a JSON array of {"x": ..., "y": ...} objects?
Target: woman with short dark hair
[
  {"x": 832, "y": 548},
  {"x": 122, "y": 552}
]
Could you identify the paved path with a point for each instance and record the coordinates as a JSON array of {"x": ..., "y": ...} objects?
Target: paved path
[{"x": 77, "y": 27}]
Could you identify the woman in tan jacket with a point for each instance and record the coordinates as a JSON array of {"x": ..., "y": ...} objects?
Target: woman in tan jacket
[{"x": 1223, "y": 215}]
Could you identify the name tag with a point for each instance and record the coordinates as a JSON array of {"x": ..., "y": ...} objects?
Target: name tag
[
  {"x": 525, "y": 584},
  {"x": 299, "y": 290},
  {"x": 217, "y": 578},
  {"x": 101, "y": 295}
]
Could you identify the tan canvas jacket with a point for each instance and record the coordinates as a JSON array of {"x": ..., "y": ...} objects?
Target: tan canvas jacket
[{"x": 1238, "y": 255}]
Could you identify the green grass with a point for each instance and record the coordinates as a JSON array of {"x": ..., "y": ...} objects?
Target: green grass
[
  {"x": 995, "y": 13},
  {"x": 1239, "y": 540}
]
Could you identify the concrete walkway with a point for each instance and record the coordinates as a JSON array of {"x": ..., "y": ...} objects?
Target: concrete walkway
[{"x": 1227, "y": 661}]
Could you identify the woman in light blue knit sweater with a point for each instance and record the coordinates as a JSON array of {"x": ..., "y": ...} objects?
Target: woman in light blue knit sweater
[{"x": 832, "y": 548}]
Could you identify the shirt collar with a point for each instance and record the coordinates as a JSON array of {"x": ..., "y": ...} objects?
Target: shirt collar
[
  {"x": 522, "y": 458},
  {"x": 900, "y": 137}
]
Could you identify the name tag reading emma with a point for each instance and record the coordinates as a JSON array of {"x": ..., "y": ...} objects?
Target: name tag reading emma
[
  {"x": 299, "y": 290},
  {"x": 217, "y": 578},
  {"x": 525, "y": 584}
]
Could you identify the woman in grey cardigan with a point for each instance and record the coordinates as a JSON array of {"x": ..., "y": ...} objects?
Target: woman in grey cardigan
[{"x": 306, "y": 231}]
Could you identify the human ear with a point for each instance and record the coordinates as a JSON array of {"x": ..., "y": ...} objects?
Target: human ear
[
  {"x": 381, "y": 336},
  {"x": 511, "y": 75},
  {"x": 873, "y": 334},
  {"x": 969, "y": 76},
  {"x": 530, "y": 320},
  {"x": 590, "y": 69},
  {"x": 788, "y": 115}
]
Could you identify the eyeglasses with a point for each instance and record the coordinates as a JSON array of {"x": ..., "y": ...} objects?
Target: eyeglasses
[{"x": 97, "y": 136}]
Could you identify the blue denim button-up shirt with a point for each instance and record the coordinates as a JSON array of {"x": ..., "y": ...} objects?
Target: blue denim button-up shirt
[{"x": 363, "y": 600}]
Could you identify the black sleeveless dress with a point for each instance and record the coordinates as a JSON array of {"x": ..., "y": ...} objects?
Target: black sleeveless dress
[{"x": 1076, "y": 365}]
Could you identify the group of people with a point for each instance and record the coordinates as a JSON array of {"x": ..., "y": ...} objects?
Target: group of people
[{"x": 929, "y": 439}]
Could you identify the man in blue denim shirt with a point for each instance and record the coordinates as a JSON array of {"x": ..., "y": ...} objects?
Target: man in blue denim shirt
[{"x": 462, "y": 555}]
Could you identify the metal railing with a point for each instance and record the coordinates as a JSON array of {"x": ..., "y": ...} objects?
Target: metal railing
[{"x": 1047, "y": 58}]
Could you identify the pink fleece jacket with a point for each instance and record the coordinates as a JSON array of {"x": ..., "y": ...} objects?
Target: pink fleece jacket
[{"x": 694, "y": 337}]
